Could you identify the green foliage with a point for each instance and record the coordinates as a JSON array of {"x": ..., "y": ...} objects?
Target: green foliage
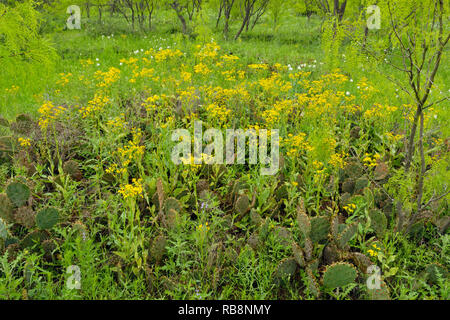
[
  {"x": 18, "y": 193},
  {"x": 20, "y": 41},
  {"x": 339, "y": 275},
  {"x": 47, "y": 218}
]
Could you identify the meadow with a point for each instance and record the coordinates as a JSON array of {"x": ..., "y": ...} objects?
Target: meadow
[{"x": 92, "y": 207}]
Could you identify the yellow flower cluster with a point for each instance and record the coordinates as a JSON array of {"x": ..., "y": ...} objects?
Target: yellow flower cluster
[
  {"x": 162, "y": 55},
  {"x": 129, "y": 61},
  {"x": 108, "y": 77},
  {"x": 296, "y": 144},
  {"x": 86, "y": 62},
  {"x": 379, "y": 111},
  {"x": 96, "y": 104},
  {"x": 24, "y": 142},
  {"x": 350, "y": 208},
  {"x": 117, "y": 122},
  {"x": 49, "y": 113},
  {"x": 371, "y": 161},
  {"x": 151, "y": 103},
  {"x": 204, "y": 227},
  {"x": 229, "y": 58},
  {"x": 271, "y": 116},
  {"x": 132, "y": 150},
  {"x": 217, "y": 112},
  {"x": 64, "y": 79},
  {"x": 13, "y": 90},
  {"x": 337, "y": 160},
  {"x": 366, "y": 89},
  {"x": 115, "y": 170},
  {"x": 393, "y": 138},
  {"x": 275, "y": 82},
  {"x": 144, "y": 73},
  {"x": 132, "y": 190},
  {"x": 260, "y": 66},
  {"x": 319, "y": 170},
  {"x": 186, "y": 76},
  {"x": 202, "y": 68},
  {"x": 210, "y": 50},
  {"x": 372, "y": 252}
]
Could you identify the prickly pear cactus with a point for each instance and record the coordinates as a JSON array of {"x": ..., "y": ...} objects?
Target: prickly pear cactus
[
  {"x": 379, "y": 294},
  {"x": 25, "y": 216},
  {"x": 3, "y": 230},
  {"x": 346, "y": 235},
  {"x": 47, "y": 218},
  {"x": 303, "y": 221},
  {"x": 339, "y": 275},
  {"x": 298, "y": 254},
  {"x": 286, "y": 268},
  {"x": 6, "y": 208},
  {"x": 378, "y": 222},
  {"x": 313, "y": 285},
  {"x": 23, "y": 125},
  {"x": 320, "y": 227},
  {"x": 255, "y": 218},
  {"x": 172, "y": 203},
  {"x": 18, "y": 193},
  {"x": 158, "y": 248},
  {"x": 34, "y": 237},
  {"x": 242, "y": 204},
  {"x": 7, "y": 144},
  {"x": 72, "y": 168}
]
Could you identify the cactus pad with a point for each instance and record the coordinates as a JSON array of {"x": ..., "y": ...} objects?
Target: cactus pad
[
  {"x": 172, "y": 203},
  {"x": 303, "y": 221},
  {"x": 378, "y": 222},
  {"x": 72, "y": 168},
  {"x": 256, "y": 218},
  {"x": 286, "y": 268},
  {"x": 6, "y": 208},
  {"x": 298, "y": 254},
  {"x": 158, "y": 248},
  {"x": 347, "y": 234},
  {"x": 242, "y": 204},
  {"x": 3, "y": 230},
  {"x": 18, "y": 193},
  {"x": 339, "y": 275},
  {"x": 320, "y": 227},
  {"x": 25, "y": 216},
  {"x": 47, "y": 218},
  {"x": 4, "y": 122},
  {"x": 361, "y": 261},
  {"x": 34, "y": 237},
  {"x": 313, "y": 285},
  {"x": 381, "y": 171}
]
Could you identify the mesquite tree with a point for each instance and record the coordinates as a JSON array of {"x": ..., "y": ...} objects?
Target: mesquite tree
[
  {"x": 252, "y": 10},
  {"x": 411, "y": 45},
  {"x": 20, "y": 40}
]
